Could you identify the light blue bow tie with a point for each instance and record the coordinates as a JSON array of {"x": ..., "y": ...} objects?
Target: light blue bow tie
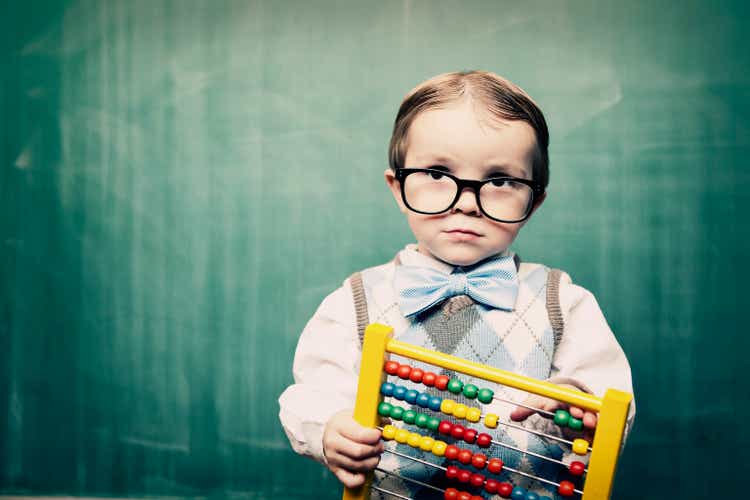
[{"x": 493, "y": 283}]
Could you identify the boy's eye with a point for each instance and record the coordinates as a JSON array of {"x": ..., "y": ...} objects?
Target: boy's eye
[
  {"x": 499, "y": 182},
  {"x": 435, "y": 175}
]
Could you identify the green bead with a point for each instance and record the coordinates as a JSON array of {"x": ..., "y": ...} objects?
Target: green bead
[
  {"x": 433, "y": 423},
  {"x": 485, "y": 396},
  {"x": 421, "y": 420},
  {"x": 409, "y": 416},
  {"x": 455, "y": 386},
  {"x": 471, "y": 391},
  {"x": 575, "y": 424},
  {"x": 384, "y": 409},
  {"x": 397, "y": 413},
  {"x": 562, "y": 417}
]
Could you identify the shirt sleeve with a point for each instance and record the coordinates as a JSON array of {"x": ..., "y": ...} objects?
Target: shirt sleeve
[
  {"x": 589, "y": 355},
  {"x": 325, "y": 374}
]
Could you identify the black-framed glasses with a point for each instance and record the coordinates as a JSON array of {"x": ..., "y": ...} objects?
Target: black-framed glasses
[{"x": 501, "y": 198}]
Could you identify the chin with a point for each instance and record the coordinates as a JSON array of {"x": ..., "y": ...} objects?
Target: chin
[{"x": 460, "y": 258}]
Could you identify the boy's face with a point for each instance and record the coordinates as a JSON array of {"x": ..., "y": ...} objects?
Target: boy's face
[{"x": 470, "y": 144}]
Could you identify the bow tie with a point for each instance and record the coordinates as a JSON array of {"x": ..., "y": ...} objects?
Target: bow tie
[{"x": 493, "y": 283}]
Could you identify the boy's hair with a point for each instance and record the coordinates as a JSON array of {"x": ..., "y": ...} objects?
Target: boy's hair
[{"x": 503, "y": 99}]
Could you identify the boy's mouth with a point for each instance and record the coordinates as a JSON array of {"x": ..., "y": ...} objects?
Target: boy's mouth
[
  {"x": 462, "y": 234},
  {"x": 462, "y": 231}
]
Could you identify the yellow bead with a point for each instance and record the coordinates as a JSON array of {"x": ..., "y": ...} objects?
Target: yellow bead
[
  {"x": 580, "y": 446},
  {"x": 389, "y": 432},
  {"x": 490, "y": 420},
  {"x": 460, "y": 411},
  {"x": 447, "y": 406},
  {"x": 473, "y": 414},
  {"x": 425, "y": 444},
  {"x": 414, "y": 439},
  {"x": 438, "y": 449},
  {"x": 401, "y": 435}
]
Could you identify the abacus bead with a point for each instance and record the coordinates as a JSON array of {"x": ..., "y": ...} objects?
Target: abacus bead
[
  {"x": 423, "y": 400},
  {"x": 389, "y": 432},
  {"x": 401, "y": 435},
  {"x": 426, "y": 443},
  {"x": 463, "y": 495},
  {"x": 457, "y": 431},
  {"x": 490, "y": 420},
  {"x": 451, "y": 494},
  {"x": 470, "y": 391},
  {"x": 477, "y": 480},
  {"x": 491, "y": 485},
  {"x": 391, "y": 367},
  {"x": 421, "y": 420},
  {"x": 433, "y": 423},
  {"x": 441, "y": 382},
  {"x": 476, "y": 497},
  {"x": 484, "y": 440},
  {"x": 575, "y": 423},
  {"x": 479, "y": 460},
  {"x": 576, "y": 468},
  {"x": 409, "y": 416},
  {"x": 485, "y": 395},
  {"x": 414, "y": 439},
  {"x": 385, "y": 409},
  {"x": 455, "y": 386},
  {"x": 518, "y": 493},
  {"x": 445, "y": 427},
  {"x": 438, "y": 449},
  {"x": 447, "y": 406},
  {"x": 464, "y": 456},
  {"x": 399, "y": 392},
  {"x": 435, "y": 403},
  {"x": 530, "y": 495},
  {"x": 387, "y": 389},
  {"x": 580, "y": 446},
  {"x": 451, "y": 472},
  {"x": 451, "y": 452},
  {"x": 397, "y": 413},
  {"x": 505, "y": 489},
  {"x": 470, "y": 435},
  {"x": 562, "y": 417},
  {"x": 463, "y": 475},
  {"x": 428, "y": 379},
  {"x": 473, "y": 415},
  {"x": 411, "y": 396},
  {"x": 404, "y": 371},
  {"x": 460, "y": 410},
  {"x": 416, "y": 375},
  {"x": 495, "y": 465},
  {"x": 566, "y": 488}
]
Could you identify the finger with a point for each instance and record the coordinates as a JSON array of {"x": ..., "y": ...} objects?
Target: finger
[
  {"x": 589, "y": 420},
  {"x": 536, "y": 403},
  {"x": 352, "y": 465},
  {"x": 349, "y": 479},
  {"x": 351, "y": 430},
  {"x": 358, "y": 451},
  {"x": 576, "y": 412}
]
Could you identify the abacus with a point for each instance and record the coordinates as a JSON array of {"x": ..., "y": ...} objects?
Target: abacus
[{"x": 596, "y": 477}]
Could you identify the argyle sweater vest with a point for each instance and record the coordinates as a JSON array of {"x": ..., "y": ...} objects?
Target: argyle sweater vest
[{"x": 521, "y": 341}]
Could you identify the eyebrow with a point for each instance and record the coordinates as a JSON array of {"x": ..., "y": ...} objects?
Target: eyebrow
[{"x": 491, "y": 171}]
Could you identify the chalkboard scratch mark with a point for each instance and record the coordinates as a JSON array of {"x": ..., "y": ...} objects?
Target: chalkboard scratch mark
[
  {"x": 265, "y": 444},
  {"x": 158, "y": 445}
]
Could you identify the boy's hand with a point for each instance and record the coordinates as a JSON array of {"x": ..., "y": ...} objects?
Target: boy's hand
[
  {"x": 589, "y": 418},
  {"x": 351, "y": 450}
]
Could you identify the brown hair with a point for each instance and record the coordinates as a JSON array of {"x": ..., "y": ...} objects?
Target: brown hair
[{"x": 503, "y": 98}]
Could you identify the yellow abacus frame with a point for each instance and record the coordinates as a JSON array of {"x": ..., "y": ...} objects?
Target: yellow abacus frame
[{"x": 612, "y": 408}]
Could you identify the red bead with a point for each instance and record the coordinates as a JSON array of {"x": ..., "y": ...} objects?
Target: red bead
[
  {"x": 484, "y": 440},
  {"x": 428, "y": 379},
  {"x": 464, "y": 456},
  {"x": 491, "y": 486},
  {"x": 477, "y": 480},
  {"x": 451, "y": 472},
  {"x": 479, "y": 460},
  {"x": 577, "y": 468},
  {"x": 404, "y": 371},
  {"x": 451, "y": 494},
  {"x": 458, "y": 431},
  {"x": 476, "y": 497},
  {"x": 441, "y": 382},
  {"x": 504, "y": 490},
  {"x": 391, "y": 367},
  {"x": 445, "y": 427},
  {"x": 463, "y": 475},
  {"x": 416, "y": 375},
  {"x": 451, "y": 452},
  {"x": 566, "y": 488},
  {"x": 495, "y": 465},
  {"x": 470, "y": 435},
  {"x": 464, "y": 496}
]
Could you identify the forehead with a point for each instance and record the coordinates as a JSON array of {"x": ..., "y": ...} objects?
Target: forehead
[{"x": 468, "y": 135}]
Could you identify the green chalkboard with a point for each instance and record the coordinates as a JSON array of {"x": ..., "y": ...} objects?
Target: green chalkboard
[{"x": 182, "y": 182}]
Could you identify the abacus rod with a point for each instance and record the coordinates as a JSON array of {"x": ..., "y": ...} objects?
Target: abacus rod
[
  {"x": 537, "y": 410},
  {"x": 531, "y": 476},
  {"x": 538, "y": 433},
  {"x": 537, "y": 455},
  {"x": 425, "y": 462},
  {"x": 381, "y": 490},
  {"x": 415, "y": 481}
]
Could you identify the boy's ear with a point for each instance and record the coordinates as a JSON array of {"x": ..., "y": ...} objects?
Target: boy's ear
[{"x": 395, "y": 186}]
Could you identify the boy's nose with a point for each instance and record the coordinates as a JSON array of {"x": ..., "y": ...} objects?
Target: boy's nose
[{"x": 467, "y": 202}]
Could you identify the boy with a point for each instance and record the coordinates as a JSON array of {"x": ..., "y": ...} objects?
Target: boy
[{"x": 468, "y": 167}]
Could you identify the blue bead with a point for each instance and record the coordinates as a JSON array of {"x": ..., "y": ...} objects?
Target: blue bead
[
  {"x": 532, "y": 496},
  {"x": 411, "y": 396},
  {"x": 399, "y": 392},
  {"x": 518, "y": 493},
  {"x": 423, "y": 400},
  {"x": 435, "y": 403},
  {"x": 387, "y": 389}
]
